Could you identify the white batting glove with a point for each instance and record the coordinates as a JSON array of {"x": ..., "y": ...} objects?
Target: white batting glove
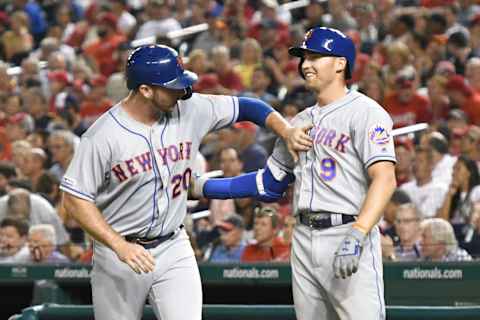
[
  {"x": 198, "y": 181},
  {"x": 347, "y": 256}
]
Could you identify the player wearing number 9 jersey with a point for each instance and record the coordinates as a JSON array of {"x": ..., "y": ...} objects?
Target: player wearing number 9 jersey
[
  {"x": 341, "y": 187},
  {"x": 127, "y": 185}
]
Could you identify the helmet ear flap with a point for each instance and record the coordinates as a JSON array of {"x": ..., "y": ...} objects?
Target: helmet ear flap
[
  {"x": 302, "y": 59},
  {"x": 188, "y": 93}
]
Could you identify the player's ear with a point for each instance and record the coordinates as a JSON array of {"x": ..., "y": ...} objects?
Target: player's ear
[
  {"x": 340, "y": 65},
  {"x": 146, "y": 91}
]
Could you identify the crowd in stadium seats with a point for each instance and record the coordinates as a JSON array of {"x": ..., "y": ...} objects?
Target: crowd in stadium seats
[{"x": 62, "y": 66}]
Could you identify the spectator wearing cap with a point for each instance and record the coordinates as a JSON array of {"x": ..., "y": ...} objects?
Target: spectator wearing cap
[
  {"x": 462, "y": 96},
  {"x": 469, "y": 144},
  {"x": 18, "y": 41},
  {"x": 405, "y": 105},
  {"x": 42, "y": 241},
  {"x": 209, "y": 84},
  {"x": 438, "y": 242},
  {"x": 126, "y": 21},
  {"x": 101, "y": 52},
  {"x": 61, "y": 144},
  {"x": 472, "y": 73},
  {"x": 439, "y": 101},
  {"x": 404, "y": 152},
  {"x": 407, "y": 225},
  {"x": 59, "y": 82},
  {"x": 426, "y": 194},
  {"x": 231, "y": 246},
  {"x": 223, "y": 67},
  {"x": 35, "y": 167},
  {"x": 96, "y": 102},
  {"x": 252, "y": 154},
  {"x": 250, "y": 58},
  {"x": 13, "y": 241},
  {"x": 458, "y": 50},
  {"x": 159, "y": 22},
  {"x": 268, "y": 246}
]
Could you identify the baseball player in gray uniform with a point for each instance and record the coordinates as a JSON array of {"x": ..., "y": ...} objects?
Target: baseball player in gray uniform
[
  {"x": 127, "y": 185},
  {"x": 341, "y": 187}
]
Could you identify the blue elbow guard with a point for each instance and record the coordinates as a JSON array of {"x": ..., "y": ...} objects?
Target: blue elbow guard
[
  {"x": 270, "y": 189},
  {"x": 260, "y": 185},
  {"x": 255, "y": 110}
]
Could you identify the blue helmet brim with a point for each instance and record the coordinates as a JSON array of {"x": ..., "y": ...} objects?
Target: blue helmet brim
[{"x": 183, "y": 81}]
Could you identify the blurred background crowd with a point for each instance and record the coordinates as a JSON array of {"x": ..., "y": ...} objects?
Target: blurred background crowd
[{"x": 62, "y": 66}]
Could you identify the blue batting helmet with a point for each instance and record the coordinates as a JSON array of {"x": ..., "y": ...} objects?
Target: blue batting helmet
[
  {"x": 327, "y": 41},
  {"x": 160, "y": 66}
]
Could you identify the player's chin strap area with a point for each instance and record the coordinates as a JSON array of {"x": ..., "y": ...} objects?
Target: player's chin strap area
[
  {"x": 150, "y": 243},
  {"x": 188, "y": 93}
]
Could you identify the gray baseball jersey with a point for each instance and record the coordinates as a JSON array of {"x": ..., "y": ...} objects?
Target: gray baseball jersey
[
  {"x": 137, "y": 175},
  {"x": 349, "y": 135}
]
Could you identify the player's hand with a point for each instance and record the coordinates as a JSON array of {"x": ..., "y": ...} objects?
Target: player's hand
[
  {"x": 298, "y": 140},
  {"x": 136, "y": 256},
  {"x": 198, "y": 181},
  {"x": 348, "y": 254}
]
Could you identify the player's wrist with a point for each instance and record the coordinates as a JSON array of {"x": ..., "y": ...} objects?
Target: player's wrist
[{"x": 364, "y": 230}]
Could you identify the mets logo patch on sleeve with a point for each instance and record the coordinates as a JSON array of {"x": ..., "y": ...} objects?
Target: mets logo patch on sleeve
[{"x": 378, "y": 135}]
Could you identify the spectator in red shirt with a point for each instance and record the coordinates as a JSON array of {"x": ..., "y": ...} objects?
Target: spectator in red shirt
[
  {"x": 95, "y": 103},
  {"x": 405, "y": 105},
  {"x": 462, "y": 96},
  {"x": 223, "y": 67},
  {"x": 59, "y": 83},
  {"x": 405, "y": 156},
  {"x": 268, "y": 246},
  {"x": 361, "y": 59},
  {"x": 101, "y": 52}
]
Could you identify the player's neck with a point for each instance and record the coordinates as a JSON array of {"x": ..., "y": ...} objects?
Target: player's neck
[
  {"x": 331, "y": 94},
  {"x": 139, "y": 110}
]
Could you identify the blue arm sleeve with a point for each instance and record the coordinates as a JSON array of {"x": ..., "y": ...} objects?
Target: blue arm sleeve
[
  {"x": 266, "y": 189},
  {"x": 254, "y": 110}
]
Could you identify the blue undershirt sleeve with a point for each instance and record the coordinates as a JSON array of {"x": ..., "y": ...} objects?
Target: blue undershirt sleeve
[{"x": 254, "y": 110}]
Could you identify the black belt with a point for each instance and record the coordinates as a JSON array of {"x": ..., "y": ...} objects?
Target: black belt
[
  {"x": 149, "y": 243},
  {"x": 324, "y": 220}
]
